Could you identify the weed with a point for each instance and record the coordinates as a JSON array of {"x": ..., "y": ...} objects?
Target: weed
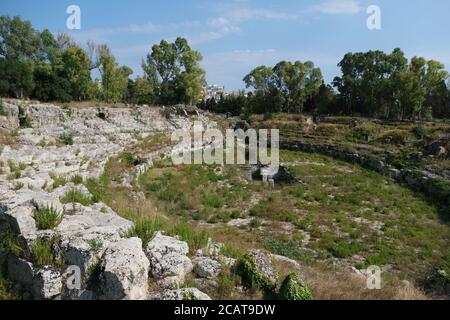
[{"x": 47, "y": 217}]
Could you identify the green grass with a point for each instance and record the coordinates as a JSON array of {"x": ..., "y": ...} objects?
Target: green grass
[
  {"x": 42, "y": 253},
  {"x": 9, "y": 242},
  {"x": 58, "y": 181},
  {"x": 47, "y": 217},
  {"x": 292, "y": 289},
  {"x": 145, "y": 229},
  {"x": 77, "y": 179},
  {"x": 66, "y": 138},
  {"x": 77, "y": 196}
]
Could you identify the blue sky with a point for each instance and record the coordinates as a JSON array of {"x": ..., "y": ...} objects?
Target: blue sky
[{"x": 235, "y": 36}]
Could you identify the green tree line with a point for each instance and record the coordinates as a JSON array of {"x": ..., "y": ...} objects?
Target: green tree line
[
  {"x": 373, "y": 84},
  {"x": 42, "y": 66}
]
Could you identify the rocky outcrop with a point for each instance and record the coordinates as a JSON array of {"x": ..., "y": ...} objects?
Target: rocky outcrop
[
  {"x": 181, "y": 294},
  {"x": 125, "y": 271},
  {"x": 55, "y": 144},
  {"x": 264, "y": 266},
  {"x": 207, "y": 268},
  {"x": 47, "y": 284},
  {"x": 168, "y": 259},
  {"x": 432, "y": 185}
]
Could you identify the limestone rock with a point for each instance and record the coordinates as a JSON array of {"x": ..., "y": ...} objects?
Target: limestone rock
[
  {"x": 181, "y": 294},
  {"x": 47, "y": 284},
  {"x": 264, "y": 265},
  {"x": 207, "y": 267},
  {"x": 20, "y": 271},
  {"x": 125, "y": 270},
  {"x": 168, "y": 258}
]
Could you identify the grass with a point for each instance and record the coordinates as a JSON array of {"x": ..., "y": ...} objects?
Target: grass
[
  {"x": 9, "y": 242},
  {"x": 66, "y": 138},
  {"x": 42, "y": 254},
  {"x": 95, "y": 245},
  {"x": 292, "y": 289},
  {"x": 77, "y": 196},
  {"x": 58, "y": 181},
  {"x": 47, "y": 217},
  {"x": 76, "y": 179},
  {"x": 341, "y": 212},
  {"x": 145, "y": 229}
]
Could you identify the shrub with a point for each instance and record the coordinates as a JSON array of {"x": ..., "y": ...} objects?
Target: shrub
[
  {"x": 24, "y": 119},
  {"x": 235, "y": 214},
  {"x": 251, "y": 277},
  {"x": 18, "y": 186},
  {"x": 255, "y": 223},
  {"x": 131, "y": 160},
  {"x": 41, "y": 252},
  {"x": 66, "y": 138},
  {"x": 230, "y": 251},
  {"x": 9, "y": 243},
  {"x": 226, "y": 283},
  {"x": 95, "y": 245},
  {"x": 77, "y": 179},
  {"x": 292, "y": 289},
  {"x": 196, "y": 239},
  {"x": 47, "y": 217},
  {"x": 287, "y": 248},
  {"x": 76, "y": 196},
  {"x": 145, "y": 229},
  {"x": 58, "y": 181},
  {"x": 343, "y": 249},
  {"x": 212, "y": 201},
  {"x": 421, "y": 132}
]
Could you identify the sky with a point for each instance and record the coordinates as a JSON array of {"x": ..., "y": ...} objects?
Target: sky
[{"x": 235, "y": 36}]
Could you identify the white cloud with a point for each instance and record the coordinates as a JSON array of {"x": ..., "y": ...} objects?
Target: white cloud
[
  {"x": 103, "y": 34},
  {"x": 337, "y": 7}
]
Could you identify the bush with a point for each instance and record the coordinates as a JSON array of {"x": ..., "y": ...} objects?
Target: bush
[
  {"x": 212, "y": 201},
  {"x": 9, "y": 243},
  {"x": 228, "y": 250},
  {"x": 145, "y": 229},
  {"x": 18, "y": 186},
  {"x": 251, "y": 277},
  {"x": 58, "y": 181},
  {"x": 226, "y": 284},
  {"x": 76, "y": 196},
  {"x": 77, "y": 179},
  {"x": 47, "y": 217},
  {"x": 66, "y": 138},
  {"x": 41, "y": 252},
  {"x": 255, "y": 223},
  {"x": 195, "y": 239},
  {"x": 292, "y": 289},
  {"x": 343, "y": 249},
  {"x": 421, "y": 132},
  {"x": 95, "y": 245},
  {"x": 287, "y": 248}
]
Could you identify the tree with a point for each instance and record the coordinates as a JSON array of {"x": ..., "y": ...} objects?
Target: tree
[
  {"x": 141, "y": 91},
  {"x": 19, "y": 45},
  {"x": 114, "y": 78},
  {"x": 286, "y": 87},
  {"x": 76, "y": 69},
  {"x": 173, "y": 70}
]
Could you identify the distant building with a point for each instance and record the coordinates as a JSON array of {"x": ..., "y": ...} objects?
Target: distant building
[{"x": 214, "y": 91}]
